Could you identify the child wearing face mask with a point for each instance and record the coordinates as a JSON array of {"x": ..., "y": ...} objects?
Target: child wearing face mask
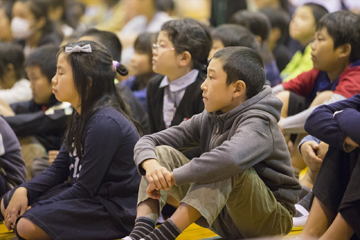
[{"x": 31, "y": 27}]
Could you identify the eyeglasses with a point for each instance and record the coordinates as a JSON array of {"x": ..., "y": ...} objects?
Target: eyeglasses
[{"x": 156, "y": 47}]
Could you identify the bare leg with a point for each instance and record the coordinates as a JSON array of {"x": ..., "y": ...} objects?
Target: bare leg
[
  {"x": 339, "y": 230},
  {"x": 296, "y": 158},
  {"x": 319, "y": 220},
  {"x": 309, "y": 178},
  {"x": 184, "y": 216},
  {"x": 149, "y": 208},
  {"x": 172, "y": 201},
  {"x": 284, "y": 97},
  {"x": 28, "y": 230},
  {"x": 2, "y": 208}
]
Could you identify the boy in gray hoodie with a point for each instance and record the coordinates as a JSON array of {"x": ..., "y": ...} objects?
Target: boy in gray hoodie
[{"x": 242, "y": 184}]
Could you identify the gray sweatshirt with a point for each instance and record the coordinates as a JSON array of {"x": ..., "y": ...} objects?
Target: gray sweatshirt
[{"x": 230, "y": 143}]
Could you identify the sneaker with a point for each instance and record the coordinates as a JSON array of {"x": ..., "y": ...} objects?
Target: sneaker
[
  {"x": 301, "y": 216},
  {"x": 302, "y": 210}
]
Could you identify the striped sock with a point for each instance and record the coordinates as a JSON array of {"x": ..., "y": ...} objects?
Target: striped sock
[
  {"x": 143, "y": 226},
  {"x": 167, "y": 231}
]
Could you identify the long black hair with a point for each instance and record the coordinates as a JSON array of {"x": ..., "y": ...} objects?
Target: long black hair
[{"x": 93, "y": 77}]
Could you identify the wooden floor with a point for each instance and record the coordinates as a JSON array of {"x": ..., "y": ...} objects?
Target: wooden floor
[{"x": 194, "y": 232}]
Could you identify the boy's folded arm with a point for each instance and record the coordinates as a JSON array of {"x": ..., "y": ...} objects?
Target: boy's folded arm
[
  {"x": 185, "y": 134},
  {"x": 295, "y": 123},
  {"x": 251, "y": 144},
  {"x": 348, "y": 121},
  {"x": 322, "y": 124}
]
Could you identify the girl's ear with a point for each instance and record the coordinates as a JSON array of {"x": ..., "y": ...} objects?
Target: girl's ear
[{"x": 185, "y": 59}]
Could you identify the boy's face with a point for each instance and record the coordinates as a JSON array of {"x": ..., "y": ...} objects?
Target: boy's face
[
  {"x": 217, "y": 96},
  {"x": 323, "y": 54},
  {"x": 216, "y": 46},
  {"x": 140, "y": 64},
  {"x": 165, "y": 60},
  {"x": 40, "y": 85},
  {"x": 63, "y": 82},
  {"x": 302, "y": 25}
]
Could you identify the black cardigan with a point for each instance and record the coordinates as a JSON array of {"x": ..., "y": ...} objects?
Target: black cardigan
[{"x": 190, "y": 104}]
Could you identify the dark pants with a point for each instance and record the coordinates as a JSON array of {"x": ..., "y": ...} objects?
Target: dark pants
[{"x": 338, "y": 185}]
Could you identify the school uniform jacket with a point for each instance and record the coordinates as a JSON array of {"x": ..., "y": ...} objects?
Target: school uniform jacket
[
  {"x": 190, "y": 104},
  {"x": 46, "y": 123}
]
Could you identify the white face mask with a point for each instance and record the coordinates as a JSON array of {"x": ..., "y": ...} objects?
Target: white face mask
[{"x": 20, "y": 28}]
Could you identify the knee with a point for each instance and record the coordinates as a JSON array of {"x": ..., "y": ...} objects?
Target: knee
[
  {"x": 2, "y": 207},
  {"x": 25, "y": 228},
  {"x": 284, "y": 96}
]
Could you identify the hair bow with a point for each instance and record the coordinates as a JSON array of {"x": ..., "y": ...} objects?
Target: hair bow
[{"x": 77, "y": 48}]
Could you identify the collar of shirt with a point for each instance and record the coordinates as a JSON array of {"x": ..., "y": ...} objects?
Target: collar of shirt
[{"x": 180, "y": 83}]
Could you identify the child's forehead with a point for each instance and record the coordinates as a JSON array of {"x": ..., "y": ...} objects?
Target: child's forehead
[
  {"x": 34, "y": 70},
  {"x": 163, "y": 36}
]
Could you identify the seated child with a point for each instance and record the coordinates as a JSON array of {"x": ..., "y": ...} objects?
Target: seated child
[
  {"x": 93, "y": 183},
  {"x": 180, "y": 55},
  {"x": 302, "y": 28},
  {"x": 141, "y": 66},
  {"x": 12, "y": 166},
  {"x": 259, "y": 24},
  {"x": 43, "y": 118},
  {"x": 112, "y": 42},
  {"x": 279, "y": 20},
  {"x": 335, "y": 212},
  {"x": 235, "y": 188},
  {"x": 13, "y": 86},
  {"x": 336, "y": 58}
]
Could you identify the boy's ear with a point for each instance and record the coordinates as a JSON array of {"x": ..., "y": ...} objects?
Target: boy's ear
[
  {"x": 185, "y": 59},
  {"x": 239, "y": 89},
  {"x": 344, "y": 50}
]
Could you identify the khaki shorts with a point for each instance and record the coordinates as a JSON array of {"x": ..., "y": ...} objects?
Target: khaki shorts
[{"x": 238, "y": 207}]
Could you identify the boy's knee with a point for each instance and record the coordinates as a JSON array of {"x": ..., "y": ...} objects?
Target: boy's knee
[
  {"x": 2, "y": 207},
  {"x": 24, "y": 228}
]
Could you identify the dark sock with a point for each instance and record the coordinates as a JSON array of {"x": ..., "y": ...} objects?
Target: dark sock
[
  {"x": 306, "y": 203},
  {"x": 304, "y": 191},
  {"x": 143, "y": 226},
  {"x": 167, "y": 231}
]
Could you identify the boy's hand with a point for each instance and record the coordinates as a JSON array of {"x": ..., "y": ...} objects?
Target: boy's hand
[
  {"x": 152, "y": 192},
  {"x": 350, "y": 142},
  {"x": 157, "y": 175},
  {"x": 309, "y": 152},
  {"x": 323, "y": 148},
  {"x": 16, "y": 207}
]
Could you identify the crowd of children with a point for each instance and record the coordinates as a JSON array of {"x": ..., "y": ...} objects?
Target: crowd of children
[{"x": 216, "y": 121}]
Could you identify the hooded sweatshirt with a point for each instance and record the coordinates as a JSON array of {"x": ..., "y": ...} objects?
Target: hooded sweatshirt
[{"x": 246, "y": 136}]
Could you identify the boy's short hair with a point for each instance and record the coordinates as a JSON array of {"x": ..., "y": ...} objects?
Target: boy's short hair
[
  {"x": 192, "y": 36},
  {"x": 108, "y": 39},
  {"x": 278, "y": 19},
  {"x": 257, "y": 22},
  {"x": 11, "y": 53},
  {"x": 343, "y": 27},
  {"x": 232, "y": 35},
  {"x": 45, "y": 58},
  {"x": 318, "y": 11},
  {"x": 242, "y": 63}
]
